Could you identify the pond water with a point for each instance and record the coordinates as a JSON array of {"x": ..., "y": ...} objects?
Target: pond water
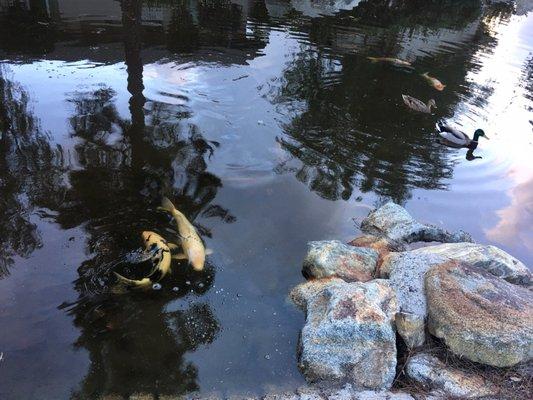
[{"x": 266, "y": 124}]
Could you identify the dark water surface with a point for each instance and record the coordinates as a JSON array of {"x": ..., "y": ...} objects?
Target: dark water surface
[{"x": 268, "y": 126}]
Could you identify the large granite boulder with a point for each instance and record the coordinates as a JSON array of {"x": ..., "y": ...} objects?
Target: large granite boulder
[
  {"x": 480, "y": 316},
  {"x": 490, "y": 258},
  {"x": 333, "y": 258},
  {"x": 394, "y": 222},
  {"x": 406, "y": 272},
  {"x": 430, "y": 372},
  {"x": 349, "y": 332}
]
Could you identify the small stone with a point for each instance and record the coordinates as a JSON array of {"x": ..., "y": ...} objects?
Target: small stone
[
  {"x": 411, "y": 327},
  {"x": 156, "y": 286},
  {"x": 267, "y": 357},
  {"x": 431, "y": 372},
  {"x": 175, "y": 289}
]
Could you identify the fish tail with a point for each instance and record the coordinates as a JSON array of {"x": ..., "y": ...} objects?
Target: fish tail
[
  {"x": 167, "y": 205},
  {"x": 425, "y": 75},
  {"x": 373, "y": 59}
]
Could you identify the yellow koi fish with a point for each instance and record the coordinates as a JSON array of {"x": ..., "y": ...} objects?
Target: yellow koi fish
[
  {"x": 159, "y": 249},
  {"x": 434, "y": 82},
  {"x": 192, "y": 245},
  {"x": 395, "y": 61}
]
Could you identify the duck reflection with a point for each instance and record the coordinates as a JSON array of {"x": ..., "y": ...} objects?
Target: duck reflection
[{"x": 470, "y": 156}]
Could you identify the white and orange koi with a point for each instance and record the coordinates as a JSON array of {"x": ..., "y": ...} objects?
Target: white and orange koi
[{"x": 434, "y": 82}]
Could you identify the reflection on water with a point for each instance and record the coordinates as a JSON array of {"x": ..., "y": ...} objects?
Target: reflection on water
[{"x": 267, "y": 125}]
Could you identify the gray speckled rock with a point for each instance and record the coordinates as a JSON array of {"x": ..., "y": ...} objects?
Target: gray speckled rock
[
  {"x": 347, "y": 392},
  {"x": 432, "y": 373},
  {"x": 370, "y": 395},
  {"x": 406, "y": 271},
  {"x": 333, "y": 258},
  {"x": 479, "y": 316},
  {"x": 394, "y": 222},
  {"x": 349, "y": 333},
  {"x": 382, "y": 245},
  {"x": 489, "y": 258},
  {"x": 411, "y": 327},
  {"x": 406, "y": 276}
]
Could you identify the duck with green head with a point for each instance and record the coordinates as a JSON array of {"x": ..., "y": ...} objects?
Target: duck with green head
[{"x": 457, "y": 138}]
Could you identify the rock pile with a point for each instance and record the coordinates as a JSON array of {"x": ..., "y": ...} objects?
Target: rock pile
[{"x": 473, "y": 297}]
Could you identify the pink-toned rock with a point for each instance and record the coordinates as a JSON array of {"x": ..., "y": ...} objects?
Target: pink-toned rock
[
  {"x": 478, "y": 315},
  {"x": 330, "y": 258},
  {"x": 349, "y": 332}
]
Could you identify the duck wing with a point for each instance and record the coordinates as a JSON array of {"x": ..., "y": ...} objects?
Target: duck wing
[
  {"x": 414, "y": 103},
  {"x": 452, "y": 132}
]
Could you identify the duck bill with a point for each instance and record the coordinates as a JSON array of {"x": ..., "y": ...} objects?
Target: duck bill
[{"x": 486, "y": 137}]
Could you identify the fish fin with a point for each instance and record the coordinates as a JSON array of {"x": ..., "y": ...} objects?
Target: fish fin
[
  {"x": 131, "y": 282},
  {"x": 208, "y": 252},
  {"x": 425, "y": 74},
  {"x": 172, "y": 246},
  {"x": 167, "y": 205},
  {"x": 180, "y": 256}
]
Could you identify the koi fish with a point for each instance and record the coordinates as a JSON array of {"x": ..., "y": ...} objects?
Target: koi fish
[
  {"x": 434, "y": 82},
  {"x": 159, "y": 251},
  {"x": 394, "y": 61},
  {"x": 191, "y": 244}
]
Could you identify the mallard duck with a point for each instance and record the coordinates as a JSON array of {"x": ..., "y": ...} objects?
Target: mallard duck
[
  {"x": 418, "y": 105},
  {"x": 458, "y": 138}
]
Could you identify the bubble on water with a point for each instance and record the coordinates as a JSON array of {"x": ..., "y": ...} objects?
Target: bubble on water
[
  {"x": 267, "y": 357},
  {"x": 200, "y": 285},
  {"x": 156, "y": 286},
  {"x": 176, "y": 289},
  {"x": 187, "y": 282}
]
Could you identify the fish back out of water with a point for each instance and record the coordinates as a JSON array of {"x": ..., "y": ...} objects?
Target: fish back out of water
[{"x": 192, "y": 245}]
